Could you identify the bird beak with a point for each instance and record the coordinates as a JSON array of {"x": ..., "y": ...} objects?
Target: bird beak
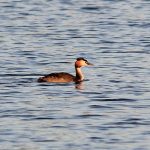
[{"x": 89, "y": 64}]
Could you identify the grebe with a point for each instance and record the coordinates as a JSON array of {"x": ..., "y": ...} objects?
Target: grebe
[{"x": 63, "y": 77}]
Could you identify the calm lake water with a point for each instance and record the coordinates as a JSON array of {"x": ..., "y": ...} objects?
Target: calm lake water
[{"x": 110, "y": 110}]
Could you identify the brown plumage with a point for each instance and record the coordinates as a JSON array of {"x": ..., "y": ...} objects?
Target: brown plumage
[{"x": 63, "y": 77}]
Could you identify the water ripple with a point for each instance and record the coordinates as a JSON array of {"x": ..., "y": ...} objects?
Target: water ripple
[{"x": 110, "y": 109}]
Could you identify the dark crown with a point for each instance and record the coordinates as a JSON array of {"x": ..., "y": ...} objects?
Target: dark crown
[{"x": 81, "y": 58}]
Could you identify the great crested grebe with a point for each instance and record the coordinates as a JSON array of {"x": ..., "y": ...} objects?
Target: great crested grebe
[{"x": 63, "y": 77}]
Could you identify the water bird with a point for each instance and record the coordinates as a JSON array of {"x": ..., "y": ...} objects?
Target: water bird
[{"x": 63, "y": 77}]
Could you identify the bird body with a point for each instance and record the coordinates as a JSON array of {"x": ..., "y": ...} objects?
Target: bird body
[
  {"x": 57, "y": 77},
  {"x": 63, "y": 77}
]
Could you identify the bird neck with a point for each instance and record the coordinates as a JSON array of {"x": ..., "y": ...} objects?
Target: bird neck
[{"x": 79, "y": 74}]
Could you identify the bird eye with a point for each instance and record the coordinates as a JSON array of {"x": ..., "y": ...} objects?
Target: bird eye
[{"x": 86, "y": 61}]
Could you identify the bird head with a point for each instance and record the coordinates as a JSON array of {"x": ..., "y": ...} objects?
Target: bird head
[{"x": 80, "y": 62}]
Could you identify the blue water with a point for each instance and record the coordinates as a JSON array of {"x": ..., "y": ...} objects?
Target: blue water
[{"x": 110, "y": 110}]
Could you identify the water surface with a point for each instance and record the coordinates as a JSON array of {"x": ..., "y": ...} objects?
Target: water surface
[{"x": 110, "y": 110}]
